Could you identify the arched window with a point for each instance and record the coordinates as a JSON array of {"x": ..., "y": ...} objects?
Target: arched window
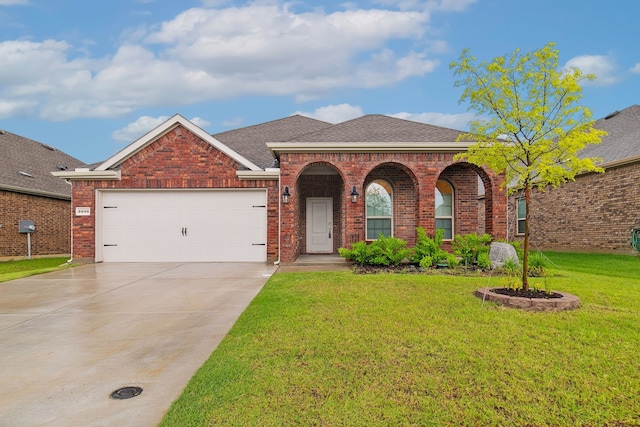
[
  {"x": 444, "y": 208},
  {"x": 379, "y": 209}
]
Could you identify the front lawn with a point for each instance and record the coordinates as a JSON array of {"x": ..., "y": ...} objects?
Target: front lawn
[
  {"x": 359, "y": 350},
  {"x": 10, "y": 270}
]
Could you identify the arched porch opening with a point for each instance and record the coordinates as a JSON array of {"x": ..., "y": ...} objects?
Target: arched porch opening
[
  {"x": 320, "y": 209},
  {"x": 399, "y": 187},
  {"x": 473, "y": 199}
]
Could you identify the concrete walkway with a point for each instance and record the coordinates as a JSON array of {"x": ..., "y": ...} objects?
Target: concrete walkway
[{"x": 68, "y": 339}]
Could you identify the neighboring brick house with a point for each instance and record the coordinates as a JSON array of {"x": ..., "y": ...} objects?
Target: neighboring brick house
[
  {"x": 596, "y": 212},
  {"x": 276, "y": 190},
  {"x": 28, "y": 192}
]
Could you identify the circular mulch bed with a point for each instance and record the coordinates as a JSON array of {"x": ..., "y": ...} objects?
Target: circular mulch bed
[{"x": 531, "y": 300}]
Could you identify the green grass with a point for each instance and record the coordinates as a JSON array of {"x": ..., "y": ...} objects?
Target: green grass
[
  {"x": 360, "y": 350},
  {"x": 10, "y": 270}
]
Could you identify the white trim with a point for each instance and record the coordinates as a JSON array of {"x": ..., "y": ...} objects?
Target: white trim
[
  {"x": 163, "y": 129},
  {"x": 266, "y": 174},
  {"x": 84, "y": 173},
  {"x": 368, "y": 147}
]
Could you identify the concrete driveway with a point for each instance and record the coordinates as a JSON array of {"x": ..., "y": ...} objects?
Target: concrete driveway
[{"x": 68, "y": 339}]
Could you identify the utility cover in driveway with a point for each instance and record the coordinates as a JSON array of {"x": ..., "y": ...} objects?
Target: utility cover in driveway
[{"x": 182, "y": 226}]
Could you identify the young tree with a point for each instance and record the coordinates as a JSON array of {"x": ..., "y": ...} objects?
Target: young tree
[{"x": 529, "y": 123}]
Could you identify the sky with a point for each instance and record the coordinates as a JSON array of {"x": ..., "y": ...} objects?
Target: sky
[{"x": 90, "y": 77}]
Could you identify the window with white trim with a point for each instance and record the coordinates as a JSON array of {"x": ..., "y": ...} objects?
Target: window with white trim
[
  {"x": 521, "y": 215},
  {"x": 444, "y": 208},
  {"x": 379, "y": 199}
]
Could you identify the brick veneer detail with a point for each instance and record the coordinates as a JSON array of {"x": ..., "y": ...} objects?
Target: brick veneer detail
[
  {"x": 593, "y": 214},
  {"x": 52, "y": 219}
]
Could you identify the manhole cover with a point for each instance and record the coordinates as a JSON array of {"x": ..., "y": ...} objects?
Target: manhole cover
[{"x": 126, "y": 392}]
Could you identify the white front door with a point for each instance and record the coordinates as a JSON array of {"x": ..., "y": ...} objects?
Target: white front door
[{"x": 319, "y": 225}]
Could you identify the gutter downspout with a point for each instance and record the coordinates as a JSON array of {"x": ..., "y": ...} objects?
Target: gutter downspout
[{"x": 277, "y": 262}]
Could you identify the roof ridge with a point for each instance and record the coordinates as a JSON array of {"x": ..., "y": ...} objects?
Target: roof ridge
[{"x": 270, "y": 122}]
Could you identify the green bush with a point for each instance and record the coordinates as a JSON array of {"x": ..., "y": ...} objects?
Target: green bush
[
  {"x": 537, "y": 264},
  {"x": 452, "y": 260},
  {"x": 426, "y": 262},
  {"x": 483, "y": 261},
  {"x": 358, "y": 253},
  {"x": 382, "y": 252},
  {"x": 428, "y": 247},
  {"x": 471, "y": 247}
]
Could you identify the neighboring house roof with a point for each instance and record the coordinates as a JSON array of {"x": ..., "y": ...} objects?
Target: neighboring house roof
[
  {"x": 379, "y": 128},
  {"x": 622, "y": 143},
  {"x": 251, "y": 141},
  {"x": 26, "y": 166}
]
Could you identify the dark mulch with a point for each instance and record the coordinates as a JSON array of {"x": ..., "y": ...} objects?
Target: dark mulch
[
  {"x": 416, "y": 269},
  {"x": 530, "y": 293}
]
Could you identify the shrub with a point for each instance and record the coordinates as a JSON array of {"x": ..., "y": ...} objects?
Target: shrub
[
  {"x": 426, "y": 262},
  {"x": 452, "y": 260},
  {"x": 428, "y": 247},
  {"x": 358, "y": 252},
  {"x": 382, "y": 252},
  {"x": 537, "y": 264},
  {"x": 483, "y": 260},
  {"x": 470, "y": 247}
]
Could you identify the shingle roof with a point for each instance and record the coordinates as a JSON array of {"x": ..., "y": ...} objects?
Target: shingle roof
[
  {"x": 250, "y": 141},
  {"x": 380, "y": 128},
  {"x": 26, "y": 166},
  {"x": 623, "y": 139}
]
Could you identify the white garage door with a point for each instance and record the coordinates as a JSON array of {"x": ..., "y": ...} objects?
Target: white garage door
[{"x": 191, "y": 226}]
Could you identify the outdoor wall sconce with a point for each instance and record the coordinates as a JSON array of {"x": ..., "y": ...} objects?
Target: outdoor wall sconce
[
  {"x": 354, "y": 194},
  {"x": 286, "y": 195}
]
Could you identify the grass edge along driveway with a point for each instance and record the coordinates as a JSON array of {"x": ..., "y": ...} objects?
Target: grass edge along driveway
[
  {"x": 10, "y": 270},
  {"x": 334, "y": 348}
]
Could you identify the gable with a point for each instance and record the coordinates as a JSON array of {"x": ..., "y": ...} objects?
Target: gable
[
  {"x": 178, "y": 154},
  {"x": 174, "y": 122}
]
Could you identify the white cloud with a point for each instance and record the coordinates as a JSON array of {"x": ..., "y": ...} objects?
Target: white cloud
[
  {"x": 452, "y": 121},
  {"x": 13, "y": 2},
  {"x": 144, "y": 124},
  {"x": 599, "y": 65},
  {"x": 264, "y": 48},
  {"x": 636, "y": 68},
  {"x": 334, "y": 113}
]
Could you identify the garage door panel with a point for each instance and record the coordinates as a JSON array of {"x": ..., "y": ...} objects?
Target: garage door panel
[{"x": 184, "y": 226}]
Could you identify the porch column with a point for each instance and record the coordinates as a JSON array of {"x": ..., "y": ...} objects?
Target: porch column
[
  {"x": 354, "y": 226},
  {"x": 289, "y": 245}
]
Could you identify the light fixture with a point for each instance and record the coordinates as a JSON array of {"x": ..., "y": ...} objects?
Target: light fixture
[
  {"x": 286, "y": 195},
  {"x": 354, "y": 194}
]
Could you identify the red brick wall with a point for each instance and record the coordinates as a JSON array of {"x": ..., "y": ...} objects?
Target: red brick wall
[
  {"x": 413, "y": 176},
  {"x": 51, "y": 217},
  {"x": 595, "y": 213},
  {"x": 176, "y": 160}
]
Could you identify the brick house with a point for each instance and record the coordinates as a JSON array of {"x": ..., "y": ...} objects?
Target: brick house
[
  {"x": 276, "y": 190},
  {"x": 28, "y": 192},
  {"x": 596, "y": 212}
]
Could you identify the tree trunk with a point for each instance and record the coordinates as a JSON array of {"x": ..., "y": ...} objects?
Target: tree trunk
[{"x": 525, "y": 255}]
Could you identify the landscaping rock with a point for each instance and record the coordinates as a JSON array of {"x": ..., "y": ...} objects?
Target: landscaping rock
[{"x": 501, "y": 253}]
